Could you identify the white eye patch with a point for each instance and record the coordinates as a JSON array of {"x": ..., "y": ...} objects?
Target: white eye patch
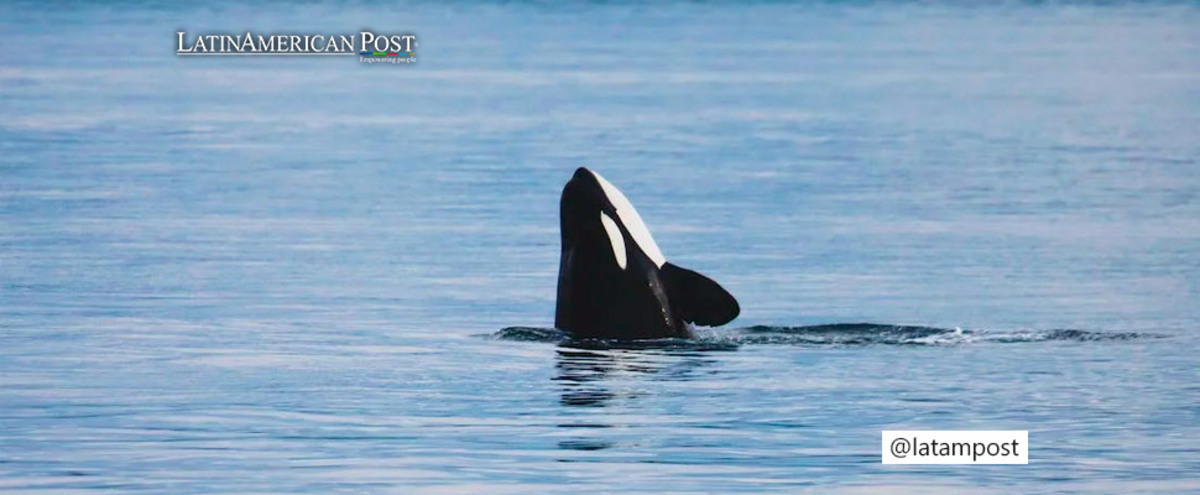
[
  {"x": 614, "y": 237},
  {"x": 633, "y": 222}
]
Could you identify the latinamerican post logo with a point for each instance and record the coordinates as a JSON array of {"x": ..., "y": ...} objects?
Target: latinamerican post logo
[{"x": 368, "y": 46}]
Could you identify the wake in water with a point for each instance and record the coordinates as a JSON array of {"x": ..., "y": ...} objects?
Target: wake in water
[{"x": 837, "y": 334}]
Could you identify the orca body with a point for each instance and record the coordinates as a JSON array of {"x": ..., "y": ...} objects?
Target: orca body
[{"x": 613, "y": 281}]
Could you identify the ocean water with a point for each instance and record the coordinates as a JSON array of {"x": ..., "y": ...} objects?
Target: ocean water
[{"x": 312, "y": 275}]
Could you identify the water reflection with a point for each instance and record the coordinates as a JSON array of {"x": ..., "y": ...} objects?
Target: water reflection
[
  {"x": 611, "y": 381},
  {"x": 588, "y": 376}
]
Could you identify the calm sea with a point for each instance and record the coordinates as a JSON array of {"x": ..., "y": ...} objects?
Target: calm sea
[{"x": 290, "y": 275}]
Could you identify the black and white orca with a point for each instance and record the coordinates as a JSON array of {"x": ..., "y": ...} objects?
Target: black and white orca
[{"x": 613, "y": 281}]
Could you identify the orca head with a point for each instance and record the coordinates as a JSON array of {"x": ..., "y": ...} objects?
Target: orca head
[
  {"x": 614, "y": 282},
  {"x": 593, "y": 211}
]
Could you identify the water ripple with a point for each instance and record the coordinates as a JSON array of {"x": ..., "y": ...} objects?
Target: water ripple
[{"x": 835, "y": 334}]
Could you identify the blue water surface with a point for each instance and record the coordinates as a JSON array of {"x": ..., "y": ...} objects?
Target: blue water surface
[{"x": 289, "y": 275}]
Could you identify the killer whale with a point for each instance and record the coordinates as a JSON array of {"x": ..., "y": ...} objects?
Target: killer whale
[{"x": 614, "y": 282}]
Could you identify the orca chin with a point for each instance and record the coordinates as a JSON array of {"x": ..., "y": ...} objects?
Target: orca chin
[{"x": 615, "y": 283}]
